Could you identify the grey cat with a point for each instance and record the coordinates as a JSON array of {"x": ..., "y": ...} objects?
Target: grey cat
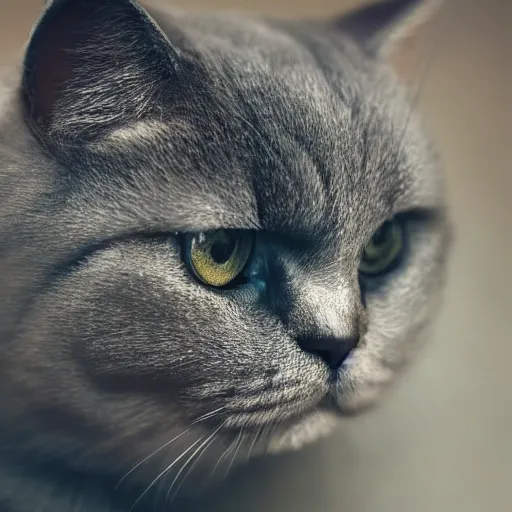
[{"x": 218, "y": 236}]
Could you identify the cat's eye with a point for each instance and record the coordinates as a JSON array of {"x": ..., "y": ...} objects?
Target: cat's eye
[
  {"x": 218, "y": 258},
  {"x": 383, "y": 250}
]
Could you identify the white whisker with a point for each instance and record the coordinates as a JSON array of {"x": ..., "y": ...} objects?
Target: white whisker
[
  {"x": 238, "y": 444},
  {"x": 267, "y": 432},
  {"x": 208, "y": 415},
  {"x": 226, "y": 451},
  {"x": 162, "y": 473},
  {"x": 151, "y": 455},
  {"x": 204, "y": 417},
  {"x": 201, "y": 449},
  {"x": 254, "y": 441}
]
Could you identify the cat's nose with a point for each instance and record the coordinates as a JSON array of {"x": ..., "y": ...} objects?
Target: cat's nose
[{"x": 331, "y": 349}]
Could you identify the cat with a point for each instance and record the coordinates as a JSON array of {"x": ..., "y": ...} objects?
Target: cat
[{"x": 220, "y": 235}]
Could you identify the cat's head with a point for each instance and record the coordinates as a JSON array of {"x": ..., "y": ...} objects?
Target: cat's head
[{"x": 235, "y": 227}]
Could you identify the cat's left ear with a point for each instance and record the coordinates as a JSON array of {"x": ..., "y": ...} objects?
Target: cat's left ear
[
  {"x": 378, "y": 26},
  {"x": 91, "y": 65}
]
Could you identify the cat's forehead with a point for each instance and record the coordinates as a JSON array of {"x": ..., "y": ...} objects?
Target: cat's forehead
[
  {"x": 323, "y": 151},
  {"x": 328, "y": 131},
  {"x": 293, "y": 133}
]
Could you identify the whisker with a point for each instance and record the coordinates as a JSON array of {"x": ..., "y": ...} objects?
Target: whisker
[
  {"x": 254, "y": 441},
  {"x": 238, "y": 444},
  {"x": 226, "y": 451},
  {"x": 195, "y": 422},
  {"x": 267, "y": 432},
  {"x": 208, "y": 415},
  {"x": 162, "y": 473},
  {"x": 204, "y": 446},
  {"x": 191, "y": 468},
  {"x": 149, "y": 456}
]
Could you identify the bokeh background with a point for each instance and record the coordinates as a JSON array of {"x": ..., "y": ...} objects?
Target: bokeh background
[{"x": 443, "y": 440}]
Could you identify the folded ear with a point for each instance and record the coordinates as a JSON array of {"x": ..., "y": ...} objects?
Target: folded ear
[
  {"x": 378, "y": 25},
  {"x": 92, "y": 64}
]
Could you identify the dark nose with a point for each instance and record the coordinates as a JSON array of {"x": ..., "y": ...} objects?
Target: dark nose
[{"x": 331, "y": 349}]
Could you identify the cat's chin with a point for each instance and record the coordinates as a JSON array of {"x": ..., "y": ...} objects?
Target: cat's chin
[{"x": 303, "y": 431}]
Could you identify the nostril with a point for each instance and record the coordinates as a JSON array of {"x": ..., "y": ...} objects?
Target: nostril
[
  {"x": 333, "y": 351},
  {"x": 328, "y": 357}
]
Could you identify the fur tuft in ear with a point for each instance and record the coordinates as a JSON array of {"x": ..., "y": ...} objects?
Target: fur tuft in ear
[
  {"x": 92, "y": 64},
  {"x": 379, "y": 25}
]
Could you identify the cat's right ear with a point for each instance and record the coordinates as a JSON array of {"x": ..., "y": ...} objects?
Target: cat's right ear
[
  {"x": 377, "y": 26},
  {"x": 91, "y": 65}
]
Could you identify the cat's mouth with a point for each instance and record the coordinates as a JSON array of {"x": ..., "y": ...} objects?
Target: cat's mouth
[
  {"x": 331, "y": 399},
  {"x": 322, "y": 419},
  {"x": 349, "y": 391}
]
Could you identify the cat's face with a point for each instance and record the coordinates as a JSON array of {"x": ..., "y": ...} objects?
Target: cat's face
[{"x": 201, "y": 251}]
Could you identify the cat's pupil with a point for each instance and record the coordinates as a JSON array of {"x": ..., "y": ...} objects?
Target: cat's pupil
[{"x": 223, "y": 249}]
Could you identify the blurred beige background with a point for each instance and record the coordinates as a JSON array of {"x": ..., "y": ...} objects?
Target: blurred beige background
[{"x": 443, "y": 441}]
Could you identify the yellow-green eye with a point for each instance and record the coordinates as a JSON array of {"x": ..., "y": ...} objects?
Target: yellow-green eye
[
  {"x": 383, "y": 250},
  {"x": 218, "y": 257}
]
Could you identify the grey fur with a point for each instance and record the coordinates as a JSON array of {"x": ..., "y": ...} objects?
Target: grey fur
[{"x": 109, "y": 348}]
